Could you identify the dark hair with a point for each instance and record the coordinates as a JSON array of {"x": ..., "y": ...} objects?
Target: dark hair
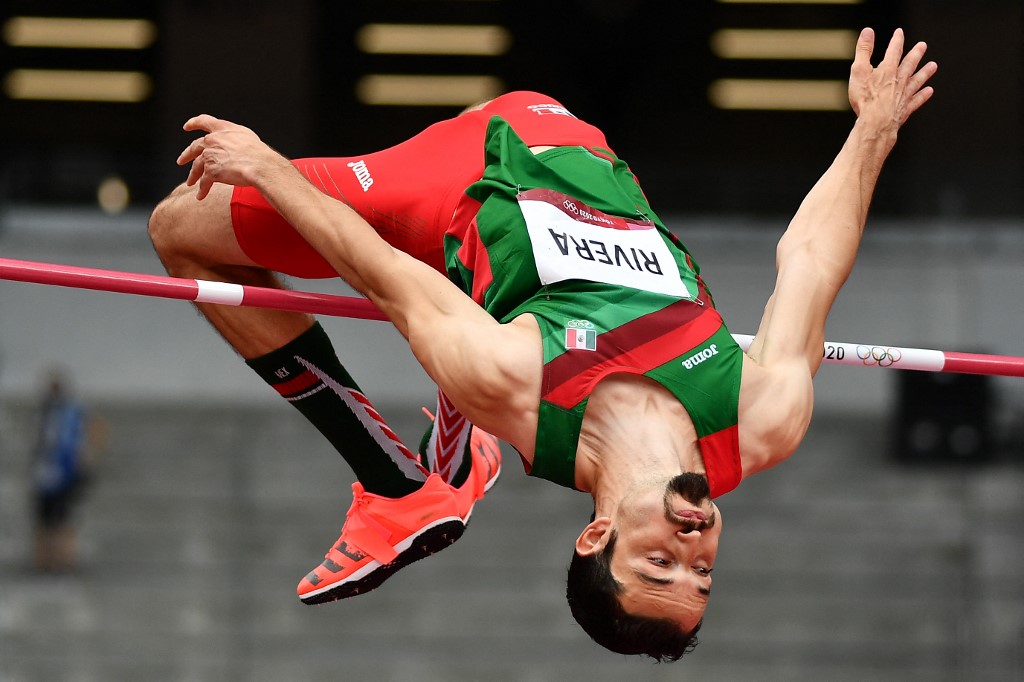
[{"x": 592, "y": 593}]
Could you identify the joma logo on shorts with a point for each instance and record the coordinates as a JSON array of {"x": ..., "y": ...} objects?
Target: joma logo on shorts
[
  {"x": 697, "y": 358},
  {"x": 362, "y": 174}
]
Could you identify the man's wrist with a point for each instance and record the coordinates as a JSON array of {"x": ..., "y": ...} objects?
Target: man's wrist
[
  {"x": 268, "y": 169},
  {"x": 875, "y": 139}
]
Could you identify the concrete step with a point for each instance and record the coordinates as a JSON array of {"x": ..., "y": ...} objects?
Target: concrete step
[{"x": 838, "y": 565}]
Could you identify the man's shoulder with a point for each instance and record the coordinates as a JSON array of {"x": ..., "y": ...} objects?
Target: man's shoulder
[
  {"x": 499, "y": 388},
  {"x": 774, "y": 412}
]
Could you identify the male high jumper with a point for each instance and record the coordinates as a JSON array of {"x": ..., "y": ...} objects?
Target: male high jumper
[{"x": 553, "y": 309}]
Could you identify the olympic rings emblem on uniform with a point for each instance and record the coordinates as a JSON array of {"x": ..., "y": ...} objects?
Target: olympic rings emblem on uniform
[{"x": 877, "y": 355}]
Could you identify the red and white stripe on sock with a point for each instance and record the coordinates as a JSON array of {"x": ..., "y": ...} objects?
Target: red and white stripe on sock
[{"x": 447, "y": 444}]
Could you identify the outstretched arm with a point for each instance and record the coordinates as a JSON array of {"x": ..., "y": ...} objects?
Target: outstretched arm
[
  {"x": 442, "y": 324},
  {"x": 817, "y": 252}
]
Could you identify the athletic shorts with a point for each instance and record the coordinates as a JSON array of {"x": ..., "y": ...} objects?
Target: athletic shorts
[{"x": 409, "y": 192}]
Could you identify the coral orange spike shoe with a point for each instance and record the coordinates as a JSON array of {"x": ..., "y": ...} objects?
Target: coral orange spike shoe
[{"x": 382, "y": 535}]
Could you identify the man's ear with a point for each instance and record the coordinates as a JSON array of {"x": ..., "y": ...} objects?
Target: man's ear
[{"x": 594, "y": 537}]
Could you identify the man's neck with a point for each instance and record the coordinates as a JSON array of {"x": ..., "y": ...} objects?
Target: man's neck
[{"x": 633, "y": 430}]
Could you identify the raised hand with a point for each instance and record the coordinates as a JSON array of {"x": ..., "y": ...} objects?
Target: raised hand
[{"x": 886, "y": 95}]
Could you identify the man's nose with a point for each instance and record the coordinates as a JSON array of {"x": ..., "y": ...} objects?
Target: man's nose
[{"x": 688, "y": 534}]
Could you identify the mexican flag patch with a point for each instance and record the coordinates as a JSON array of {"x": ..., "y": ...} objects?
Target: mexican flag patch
[{"x": 580, "y": 335}]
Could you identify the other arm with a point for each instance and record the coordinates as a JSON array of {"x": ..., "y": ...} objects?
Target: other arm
[{"x": 490, "y": 382}]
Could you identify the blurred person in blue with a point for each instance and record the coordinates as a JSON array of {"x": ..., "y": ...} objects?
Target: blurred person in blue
[{"x": 67, "y": 445}]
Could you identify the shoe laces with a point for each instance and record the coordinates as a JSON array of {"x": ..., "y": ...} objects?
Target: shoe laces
[{"x": 363, "y": 532}]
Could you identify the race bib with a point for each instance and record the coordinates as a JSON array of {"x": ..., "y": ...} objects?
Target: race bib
[{"x": 574, "y": 241}]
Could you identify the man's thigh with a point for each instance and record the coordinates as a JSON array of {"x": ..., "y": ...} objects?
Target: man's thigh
[
  {"x": 199, "y": 230},
  {"x": 408, "y": 193}
]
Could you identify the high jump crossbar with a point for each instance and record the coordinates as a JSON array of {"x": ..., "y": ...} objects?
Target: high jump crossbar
[{"x": 222, "y": 293}]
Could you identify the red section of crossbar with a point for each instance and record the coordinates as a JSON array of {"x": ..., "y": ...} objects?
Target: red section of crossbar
[
  {"x": 100, "y": 280},
  {"x": 183, "y": 289},
  {"x": 976, "y": 363}
]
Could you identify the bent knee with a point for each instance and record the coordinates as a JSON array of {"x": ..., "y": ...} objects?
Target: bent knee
[
  {"x": 181, "y": 226},
  {"x": 167, "y": 218}
]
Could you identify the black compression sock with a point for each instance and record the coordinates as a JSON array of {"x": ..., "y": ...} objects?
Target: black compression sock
[{"x": 306, "y": 372}]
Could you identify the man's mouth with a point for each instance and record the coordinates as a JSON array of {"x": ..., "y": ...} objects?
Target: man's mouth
[{"x": 691, "y": 514}]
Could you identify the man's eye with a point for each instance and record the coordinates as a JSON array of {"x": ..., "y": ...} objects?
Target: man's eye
[{"x": 658, "y": 561}]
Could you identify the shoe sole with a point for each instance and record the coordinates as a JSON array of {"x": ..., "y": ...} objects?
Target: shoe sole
[{"x": 429, "y": 542}]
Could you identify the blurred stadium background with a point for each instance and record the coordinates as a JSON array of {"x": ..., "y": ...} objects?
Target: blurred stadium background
[{"x": 891, "y": 546}]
